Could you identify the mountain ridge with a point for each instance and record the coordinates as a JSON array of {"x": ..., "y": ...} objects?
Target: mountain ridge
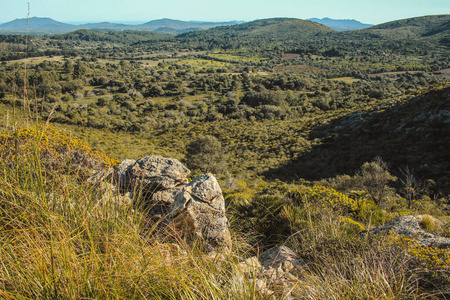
[
  {"x": 273, "y": 28},
  {"x": 417, "y": 27},
  {"x": 341, "y": 24},
  {"x": 50, "y": 26}
]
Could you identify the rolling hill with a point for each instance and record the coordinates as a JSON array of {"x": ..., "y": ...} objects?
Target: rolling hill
[
  {"x": 271, "y": 29},
  {"x": 418, "y": 27},
  {"x": 122, "y": 37},
  {"x": 416, "y": 127}
]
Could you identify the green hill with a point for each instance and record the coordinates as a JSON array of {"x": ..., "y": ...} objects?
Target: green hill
[
  {"x": 413, "y": 28},
  {"x": 271, "y": 29},
  {"x": 123, "y": 37}
]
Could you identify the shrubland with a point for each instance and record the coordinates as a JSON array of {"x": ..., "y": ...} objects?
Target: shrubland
[{"x": 313, "y": 142}]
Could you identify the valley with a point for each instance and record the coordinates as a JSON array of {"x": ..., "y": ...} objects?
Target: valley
[{"x": 314, "y": 135}]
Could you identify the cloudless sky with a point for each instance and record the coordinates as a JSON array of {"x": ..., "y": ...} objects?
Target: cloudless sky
[{"x": 141, "y": 11}]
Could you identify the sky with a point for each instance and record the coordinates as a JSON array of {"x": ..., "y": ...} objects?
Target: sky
[{"x": 141, "y": 11}]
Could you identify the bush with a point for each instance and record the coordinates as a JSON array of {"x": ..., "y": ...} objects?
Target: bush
[
  {"x": 54, "y": 151},
  {"x": 205, "y": 153}
]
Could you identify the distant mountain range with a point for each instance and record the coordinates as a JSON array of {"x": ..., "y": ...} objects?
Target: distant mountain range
[
  {"x": 39, "y": 26},
  {"x": 277, "y": 28},
  {"x": 341, "y": 25},
  {"x": 49, "y": 26}
]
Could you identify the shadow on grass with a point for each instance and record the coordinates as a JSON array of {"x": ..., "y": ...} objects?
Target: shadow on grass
[{"x": 414, "y": 134}]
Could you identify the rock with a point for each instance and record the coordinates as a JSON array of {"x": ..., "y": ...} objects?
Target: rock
[
  {"x": 196, "y": 210},
  {"x": 271, "y": 272},
  {"x": 199, "y": 213},
  {"x": 409, "y": 226},
  {"x": 250, "y": 265},
  {"x": 151, "y": 174},
  {"x": 156, "y": 173},
  {"x": 280, "y": 256},
  {"x": 161, "y": 201}
]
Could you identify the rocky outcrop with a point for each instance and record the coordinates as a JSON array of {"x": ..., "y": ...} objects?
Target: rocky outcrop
[
  {"x": 196, "y": 210},
  {"x": 409, "y": 226},
  {"x": 199, "y": 212}
]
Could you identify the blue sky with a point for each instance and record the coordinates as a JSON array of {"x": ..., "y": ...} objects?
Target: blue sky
[{"x": 140, "y": 11}]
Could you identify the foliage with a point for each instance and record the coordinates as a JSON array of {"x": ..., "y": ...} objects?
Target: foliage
[
  {"x": 205, "y": 153},
  {"x": 375, "y": 177},
  {"x": 53, "y": 149}
]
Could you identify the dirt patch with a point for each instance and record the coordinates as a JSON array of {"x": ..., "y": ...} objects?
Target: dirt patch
[
  {"x": 445, "y": 73},
  {"x": 297, "y": 69},
  {"x": 290, "y": 56}
]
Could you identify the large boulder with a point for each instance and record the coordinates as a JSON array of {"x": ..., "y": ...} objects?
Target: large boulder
[
  {"x": 409, "y": 226},
  {"x": 198, "y": 212}
]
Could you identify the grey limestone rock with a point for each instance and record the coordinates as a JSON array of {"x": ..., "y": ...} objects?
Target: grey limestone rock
[
  {"x": 158, "y": 173},
  {"x": 280, "y": 256},
  {"x": 162, "y": 201},
  {"x": 409, "y": 226},
  {"x": 151, "y": 174}
]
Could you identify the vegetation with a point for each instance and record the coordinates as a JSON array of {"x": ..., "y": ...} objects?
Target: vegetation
[{"x": 312, "y": 140}]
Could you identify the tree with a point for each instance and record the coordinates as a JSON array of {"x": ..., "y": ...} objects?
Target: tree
[
  {"x": 412, "y": 186},
  {"x": 205, "y": 153},
  {"x": 68, "y": 67},
  {"x": 79, "y": 70},
  {"x": 374, "y": 177}
]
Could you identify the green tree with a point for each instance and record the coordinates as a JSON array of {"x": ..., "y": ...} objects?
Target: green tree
[
  {"x": 374, "y": 177},
  {"x": 68, "y": 67},
  {"x": 205, "y": 153},
  {"x": 80, "y": 69}
]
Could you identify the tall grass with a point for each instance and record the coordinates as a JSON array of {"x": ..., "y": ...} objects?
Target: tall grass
[
  {"x": 62, "y": 238},
  {"x": 340, "y": 264}
]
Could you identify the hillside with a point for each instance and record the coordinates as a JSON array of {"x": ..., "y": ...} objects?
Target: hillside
[
  {"x": 181, "y": 25},
  {"x": 271, "y": 30},
  {"x": 276, "y": 159},
  {"x": 341, "y": 25},
  {"x": 123, "y": 37},
  {"x": 410, "y": 132},
  {"x": 419, "y": 27}
]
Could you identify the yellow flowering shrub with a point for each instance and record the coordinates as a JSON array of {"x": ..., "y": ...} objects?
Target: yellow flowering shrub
[
  {"x": 319, "y": 196},
  {"x": 352, "y": 224},
  {"x": 433, "y": 258},
  {"x": 53, "y": 148}
]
